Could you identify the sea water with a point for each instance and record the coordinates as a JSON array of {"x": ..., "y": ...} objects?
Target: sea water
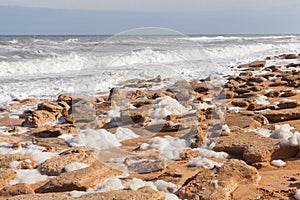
[{"x": 45, "y": 66}]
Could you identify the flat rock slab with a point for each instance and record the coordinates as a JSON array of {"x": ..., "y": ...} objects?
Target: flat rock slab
[
  {"x": 18, "y": 189},
  {"x": 10, "y": 121},
  {"x": 55, "y": 144},
  {"x": 218, "y": 183},
  {"x": 245, "y": 121},
  {"x": 80, "y": 180},
  {"x": 55, "y": 166},
  {"x": 145, "y": 162},
  {"x": 6, "y": 175},
  {"x": 145, "y": 193},
  {"x": 5, "y": 160},
  {"x": 254, "y": 148},
  {"x": 282, "y": 115},
  {"x": 39, "y": 118}
]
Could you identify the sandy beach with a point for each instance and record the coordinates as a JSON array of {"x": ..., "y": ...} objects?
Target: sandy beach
[{"x": 197, "y": 139}]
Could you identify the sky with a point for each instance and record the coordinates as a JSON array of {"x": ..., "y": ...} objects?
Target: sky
[{"x": 114, "y": 16}]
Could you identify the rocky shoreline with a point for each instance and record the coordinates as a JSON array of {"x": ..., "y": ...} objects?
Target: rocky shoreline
[{"x": 198, "y": 139}]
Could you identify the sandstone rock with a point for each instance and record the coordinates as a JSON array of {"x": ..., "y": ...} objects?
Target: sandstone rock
[
  {"x": 242, "y": 121},
  {"x": 102, "y": 108},
  {"x": 240, "y": 103},
  {"x": 116, "y": 94},
  {"x": 143, "y": 163},
  {"x": 254, "y": 65},
  {"x": 188, "y": 154},
  {"x": 81, "y": 180},
  {"x": 52, "y": 107},
  {"x": 39, "y": 118},
  {"x": 287, "y": 104},
  {"x": 55, "y": 166},
  {"x": 83, "y": 109},
  {"x": 145, "y": 193},
  {"x": 230, "y": 94},
  {"x": 66, "y": 98},
  {"x": 278, "y": 83},
  {"x": 196, "y": 136},
  {"x": 288, "y": 93},
  {"x": 135, "y": 115},
  {"x": 175, "y": 125},
  {"x": 282, "y": 115},
  {"x": 254, "y": 148},
  {"x": 219, "y": 183},
  {"x": 5, "y": 160},
  {"x": 18, "y": 189},
  {"x": 6, "y": 175},
  {"x": 49, "y": 196},
  {"x": 54, "y": 131},
  {"x": 273, "y": 94},
  {"x": 6, "y": 121},
  {"x": 258, "y": 107},
  {"x": 203, "y": 87},
  {"x": 55, "y": 144}
]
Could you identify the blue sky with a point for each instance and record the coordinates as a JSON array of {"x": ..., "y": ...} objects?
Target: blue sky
[{"x": 114, "y": 16}]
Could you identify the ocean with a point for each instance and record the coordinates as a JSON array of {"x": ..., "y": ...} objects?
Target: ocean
[{"x": 45, "y": 66}]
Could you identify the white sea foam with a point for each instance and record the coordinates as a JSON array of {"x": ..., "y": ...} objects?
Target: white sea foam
[
  {"x": 75, "y": 166},
  {"x": 168, "y": 146},
  {"x": 278, "y": 163},
  {"x": 166, "y": 106},
  {"x": 29, "y": 176},
  {"x": 30, "y": 150},
  {"x": 98, "y": 139}
]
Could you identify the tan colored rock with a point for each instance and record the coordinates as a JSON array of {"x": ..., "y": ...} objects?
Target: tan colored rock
[
  {"x": 81, "y": 180},
  {"x": 39, "y": 118},
  {"x": 145, "y": 193},
  {"x": 288, "y": 93},
  {"x": 282, "y": 115},
  {"x": 256, "y": 65},
  {"x": 287, "y": 104},
  {"x": 240, "y": 103},
  {"x": 102, "y": 108},
  {"x": 54, "y": 131},
  {"x": 57, "y": 144},
  {"x": 6, "y": 175},
  {"x": 243, "y": 121},
  {"x": 219, "y": 183},
  {"x": 15, "y": 190},
  {"x": 52, "y": 107},
  {"x": 254, "y": 148},
  {"x": 49, "y": 196},
  {"x": 196, "y": 136},
  {"x": 55, "y": 166},
  {"x": 135, "y": 115},
  {"x": 144, "y": 162},
  {"x": 188, "y": 154},
  {"x": 6, "y": 121},
  {"x": 5, "y": 161},
  {"x": 66, "y": 98}
]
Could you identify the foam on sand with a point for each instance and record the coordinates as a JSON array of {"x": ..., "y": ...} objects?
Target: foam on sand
[
  {"x": 166, "y": 106},
  {"x": 169, "y": 147},
  {"x": 282, "y": 131},
  {"x": 98, "y": 139},
  {"x": 30, "y": 150},
  {"x": 278, "y": 163},
  {"x": 204, "y": 162},
  {"x": 125, "y": 134},
  {"x": 28, "y": 176}
]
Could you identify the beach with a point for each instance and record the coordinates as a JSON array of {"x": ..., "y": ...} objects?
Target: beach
[{"x": 156, "y": 117}]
